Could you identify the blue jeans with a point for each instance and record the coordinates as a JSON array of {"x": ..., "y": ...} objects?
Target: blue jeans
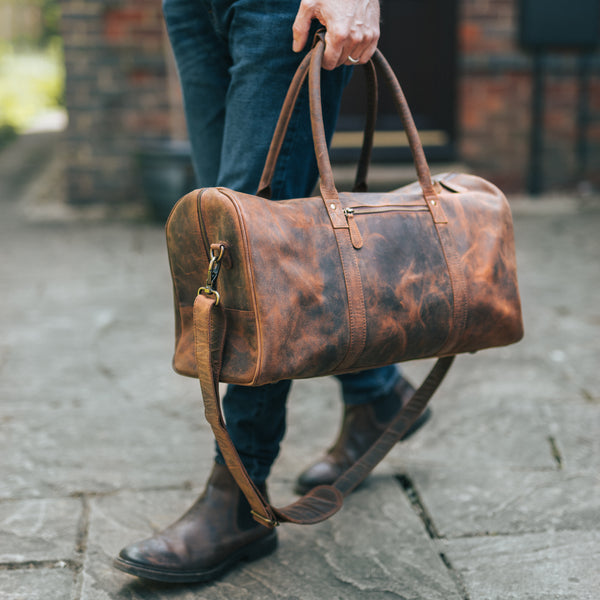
[{"x": 235, "y": 63}]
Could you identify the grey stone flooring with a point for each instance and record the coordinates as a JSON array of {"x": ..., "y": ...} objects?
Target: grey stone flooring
[{"x": 101, "y": 443}]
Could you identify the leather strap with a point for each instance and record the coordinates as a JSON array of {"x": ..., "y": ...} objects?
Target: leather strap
[
  {"x": 447, "y": 242},
  {"x": 360, "y": 182},
  {"x": 357, "y": 314},
  {"x": 414, "y": 141},
  {"x": 329, "y": 194},
  {"x": 210, "y": 325},
  {"x": 323, "y": 501},
  {"x": 264, "y": 186},
  {"x": 416, "y": 148}
]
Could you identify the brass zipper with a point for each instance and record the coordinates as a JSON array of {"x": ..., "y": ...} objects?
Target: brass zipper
[
  {"x": 365, "y": 210},
  {"x": 355, "y": 236},
  {"x": 351, "y": 212}
]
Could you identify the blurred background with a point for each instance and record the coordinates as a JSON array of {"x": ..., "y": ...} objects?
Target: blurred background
[
  {"x": 507, "y": 89},
  {"x": 31, "y": 67}
]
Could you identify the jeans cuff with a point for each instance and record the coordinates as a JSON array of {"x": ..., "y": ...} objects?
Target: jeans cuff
[{"x": 353, "y": 398}]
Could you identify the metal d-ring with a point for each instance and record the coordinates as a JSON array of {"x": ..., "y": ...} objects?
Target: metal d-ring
[
  {"x": 213, "y": 272},
  {"x": 210, "y": 292}
]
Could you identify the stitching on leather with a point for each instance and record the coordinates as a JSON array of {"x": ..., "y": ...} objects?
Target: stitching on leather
[{"x": 250, "y": 273}]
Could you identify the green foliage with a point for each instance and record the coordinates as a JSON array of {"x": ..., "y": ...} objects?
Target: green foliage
[
  {"x": 49, "y": 20},
  {"x": 7, "y": 135},
  {"x": 31, "y": 70},
  {"x": 30, "y": 83}
]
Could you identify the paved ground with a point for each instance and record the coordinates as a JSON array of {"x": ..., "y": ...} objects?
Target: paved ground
[{"x": 499, "y": 498}]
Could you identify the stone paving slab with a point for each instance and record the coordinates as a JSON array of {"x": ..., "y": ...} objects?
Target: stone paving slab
[
  {"x": 116, "y": 449},
  {"x": 72, "y": 313},
  {"x": 575, "y": 429},
  {"x": 474, "y": 421},
  {"x": 564, "y": 344},
  {"x": 38, "y": 584},
  {"x": 101, "y": 442},
  {"x": 341, "y": 558},
  {"x": 559, "y": 268},
  {"x": 477, "y": 502},
  {"x": 98, "y": 388},
  {"x": 467, "y": 434},
  {"x": 561, "y": 565},
  {"x": 39, "y": 530},
  {"x": 508, "y": 430}
]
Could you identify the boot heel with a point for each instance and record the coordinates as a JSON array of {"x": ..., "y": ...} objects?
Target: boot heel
[{"x": 260, "y": 548}]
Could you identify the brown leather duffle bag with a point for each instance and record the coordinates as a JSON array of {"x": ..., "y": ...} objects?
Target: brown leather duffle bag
[{"x": 341, "y": 282}]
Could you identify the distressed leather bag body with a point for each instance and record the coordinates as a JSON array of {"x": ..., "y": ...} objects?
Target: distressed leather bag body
[{"x": 337, "y": 283}]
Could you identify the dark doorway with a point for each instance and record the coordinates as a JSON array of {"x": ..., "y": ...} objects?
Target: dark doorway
[{"x": 418, "y": 38}]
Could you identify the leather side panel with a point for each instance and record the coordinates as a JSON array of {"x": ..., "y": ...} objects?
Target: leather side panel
[
  {"x": 407, "y": 289},
  {"x": 298, "y": 286},
  {"x": 188, "y": 260},
  {"x": 222, "y": 224},
  {"x": 481, "y": 225}
]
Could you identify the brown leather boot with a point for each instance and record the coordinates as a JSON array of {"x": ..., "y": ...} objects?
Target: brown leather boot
[
  {"x": 360, "y": 428},
  {"x": 216, "y": 533}
]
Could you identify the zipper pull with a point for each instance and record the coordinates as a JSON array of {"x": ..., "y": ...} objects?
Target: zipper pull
[{"x": 355, "y": 236}]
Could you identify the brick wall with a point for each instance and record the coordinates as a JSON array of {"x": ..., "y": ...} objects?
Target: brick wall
[
  {"x": 20, "y": 22},
  {"x": 122, "y": 92},
  {"x": 116, "y": 93},
  {"x": 495, "y": 92}
]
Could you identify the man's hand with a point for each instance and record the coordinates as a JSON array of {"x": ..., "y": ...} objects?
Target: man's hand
[{"x": 352, "y": 29}]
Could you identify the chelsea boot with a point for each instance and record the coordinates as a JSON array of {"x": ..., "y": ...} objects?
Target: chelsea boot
[
  {"x": 215, "y": 534},
  {"x": 362, "y": 424}
]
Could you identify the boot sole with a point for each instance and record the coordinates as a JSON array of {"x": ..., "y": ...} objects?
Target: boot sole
[
  {"x": 423, "y": 418},
  {"x": 249, "y": 553}
]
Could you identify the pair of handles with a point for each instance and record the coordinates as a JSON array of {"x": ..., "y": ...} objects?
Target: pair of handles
[{"x": 311, "y": 67}]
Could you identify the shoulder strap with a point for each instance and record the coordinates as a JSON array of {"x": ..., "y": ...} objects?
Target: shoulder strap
[{"x": 323, "y": 501}]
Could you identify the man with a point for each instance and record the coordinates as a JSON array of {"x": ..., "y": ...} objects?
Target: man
[{"x": 236, "y": 59}]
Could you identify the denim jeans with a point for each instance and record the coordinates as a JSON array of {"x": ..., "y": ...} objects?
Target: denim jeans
[{"x": 235, "y": 63}]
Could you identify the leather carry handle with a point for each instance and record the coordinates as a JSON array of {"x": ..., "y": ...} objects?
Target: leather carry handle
[
  {"x": 323, "y": 501},
  {"x": 313, "y": 62},
  {"x": 328, "y": 189},
  {"x": 360, "y": 182}
]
